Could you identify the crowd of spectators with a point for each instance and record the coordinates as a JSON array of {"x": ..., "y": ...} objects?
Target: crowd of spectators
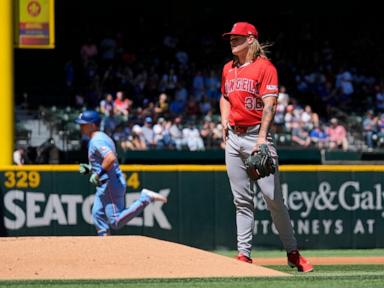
[{"x": 168, "y": 98}]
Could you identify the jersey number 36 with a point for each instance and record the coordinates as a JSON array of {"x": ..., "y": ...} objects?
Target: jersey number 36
[{"x": 253, "y": 103}]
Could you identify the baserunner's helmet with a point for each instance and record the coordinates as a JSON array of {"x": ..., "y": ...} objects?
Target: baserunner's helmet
[{"x": 88, "y": 117}]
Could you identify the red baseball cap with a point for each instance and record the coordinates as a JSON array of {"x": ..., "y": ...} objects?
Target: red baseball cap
[{"x": 243, "y": 29}]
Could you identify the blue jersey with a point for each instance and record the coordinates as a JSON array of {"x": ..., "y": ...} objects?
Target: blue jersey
[
  {"x": 99, "y": 146},
  {"x": 108, "y": 209}
]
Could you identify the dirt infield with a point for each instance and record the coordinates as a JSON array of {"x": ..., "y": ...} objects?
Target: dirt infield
[
  {"x": 117, "y": 257},
  {"x": 128, "y": 257}
]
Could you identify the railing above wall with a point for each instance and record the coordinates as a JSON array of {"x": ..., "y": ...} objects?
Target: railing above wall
[{"x": 214, "y": 156}]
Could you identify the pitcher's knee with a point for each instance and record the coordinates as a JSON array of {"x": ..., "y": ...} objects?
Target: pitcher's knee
[{"x": 242, "y": 201}]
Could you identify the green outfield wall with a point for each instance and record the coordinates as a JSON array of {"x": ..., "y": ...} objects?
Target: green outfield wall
[{"x": 330, "y": 206}]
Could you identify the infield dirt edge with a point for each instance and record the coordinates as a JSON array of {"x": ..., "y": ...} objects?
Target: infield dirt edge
[{"x": 116, "y": 257}]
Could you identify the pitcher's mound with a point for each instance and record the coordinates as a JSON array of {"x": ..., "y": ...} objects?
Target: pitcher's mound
[{"x": 114, "y": 257}]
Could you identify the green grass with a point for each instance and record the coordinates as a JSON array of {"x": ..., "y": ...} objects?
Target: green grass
[
  {"x": 324, "y": 276},
  {"x": 338, "y": 276},
  {"x": 375, "y": 278}
]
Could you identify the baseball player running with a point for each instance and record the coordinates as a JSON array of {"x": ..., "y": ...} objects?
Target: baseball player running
[
  {"x": 109, "y": 205},
  {"x": 248, "y": 104}
]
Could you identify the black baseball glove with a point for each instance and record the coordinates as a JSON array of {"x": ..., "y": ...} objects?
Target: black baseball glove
[{"x": 260, "y": 164}]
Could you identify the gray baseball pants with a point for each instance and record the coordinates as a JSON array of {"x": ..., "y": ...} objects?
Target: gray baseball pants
[{"x": 238, "y": 148}]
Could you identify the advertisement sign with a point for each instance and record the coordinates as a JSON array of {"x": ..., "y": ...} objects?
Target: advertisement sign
[
  {"x": 330, "y": 209},
  {"x": 35, "y": 24}
]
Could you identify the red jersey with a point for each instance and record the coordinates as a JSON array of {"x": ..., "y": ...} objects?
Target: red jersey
[{"x": 245, "y": 86}]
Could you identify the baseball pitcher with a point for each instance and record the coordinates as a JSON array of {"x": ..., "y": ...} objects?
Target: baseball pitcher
[{"x": 248, "y": 104}]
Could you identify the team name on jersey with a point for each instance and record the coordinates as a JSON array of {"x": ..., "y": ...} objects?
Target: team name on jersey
[{"x": 241, "y": 84}]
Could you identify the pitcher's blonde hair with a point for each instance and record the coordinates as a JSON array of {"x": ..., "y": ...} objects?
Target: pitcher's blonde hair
[{"x": 255, "y": 50}]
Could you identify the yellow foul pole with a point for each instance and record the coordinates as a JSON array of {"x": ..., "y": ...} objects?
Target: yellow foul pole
[{"x": 6, "y": 82}]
